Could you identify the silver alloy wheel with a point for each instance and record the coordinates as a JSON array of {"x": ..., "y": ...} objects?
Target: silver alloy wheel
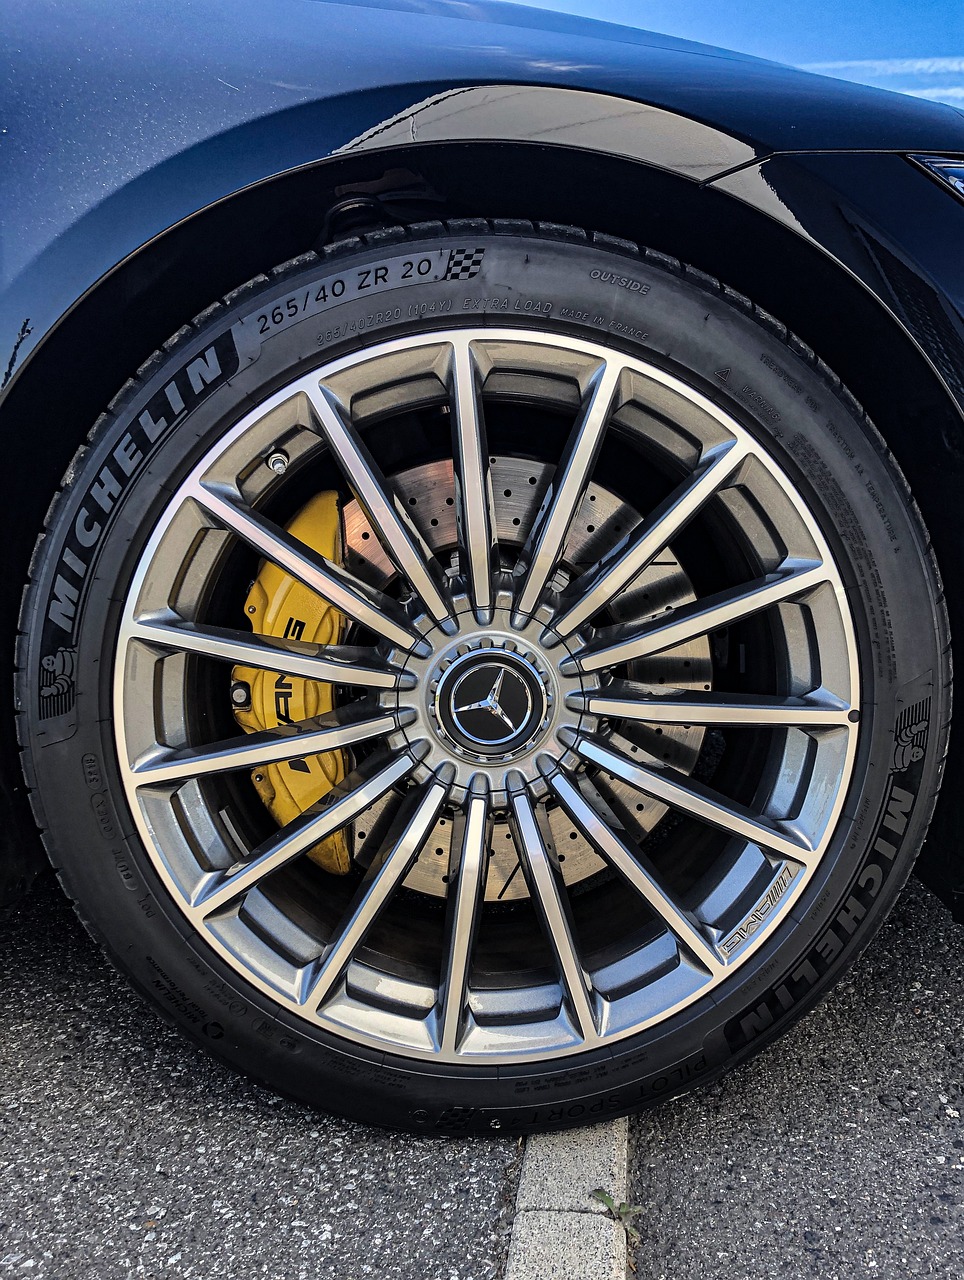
[{"x": 526, "y": 673}]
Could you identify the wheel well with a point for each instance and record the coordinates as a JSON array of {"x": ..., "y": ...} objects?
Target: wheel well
[{"x": 134, "y": 309}]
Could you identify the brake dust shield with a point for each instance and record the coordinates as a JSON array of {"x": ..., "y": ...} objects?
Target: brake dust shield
[{"x": 278, "y": 605}]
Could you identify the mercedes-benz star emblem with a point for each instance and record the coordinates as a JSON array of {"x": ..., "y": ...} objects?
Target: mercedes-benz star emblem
[{"x": 490, "y": 704}]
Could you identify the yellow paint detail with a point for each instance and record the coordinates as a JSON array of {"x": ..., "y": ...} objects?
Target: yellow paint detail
[{"x": 278, "y": 605}]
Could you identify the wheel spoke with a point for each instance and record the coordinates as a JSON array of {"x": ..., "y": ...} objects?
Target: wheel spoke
[
  {"x": 467, "y": 872},
  {"x": 334, "y": 664},
  {"x": 547, "y": 538},
  {"x": 413, "y": 827},
  {"x": 474, "y": 504},
  {"x": 639, "y": 876},
  {"x": 266, "y": 746},
  {"x": 341, "y": 589},
  {"x": 342, "y": 805},
  {"x": 596, "y": 588},
  {"x": 623, "y": 644},
  {"x": 551, "y": 900},
  {"x": 625, "y": 700},
  {"x": 689, "y": 796},
  {"x": 398, "y": 534}
]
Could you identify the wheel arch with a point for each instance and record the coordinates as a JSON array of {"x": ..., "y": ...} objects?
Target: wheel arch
[{"x": 132, "y": 310}]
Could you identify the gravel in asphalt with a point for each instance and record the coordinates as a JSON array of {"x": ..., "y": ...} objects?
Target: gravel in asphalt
[
  {"x": 125, "y": 1151},
  {"x": 839, "y": 1153}
]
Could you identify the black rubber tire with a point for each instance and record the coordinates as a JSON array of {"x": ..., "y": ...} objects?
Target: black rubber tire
[{"x": 584, "y": 285}]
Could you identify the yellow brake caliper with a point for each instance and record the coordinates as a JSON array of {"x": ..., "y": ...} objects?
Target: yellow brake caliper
[{"x": 278, "y": 605}]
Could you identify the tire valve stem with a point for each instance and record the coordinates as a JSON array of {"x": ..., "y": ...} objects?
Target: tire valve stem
[{"x": 278, "y": 462}]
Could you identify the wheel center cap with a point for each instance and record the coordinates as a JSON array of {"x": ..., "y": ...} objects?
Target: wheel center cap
[
  {"x": 489, "y": 701},
  {"x": 491, "y": 704}
]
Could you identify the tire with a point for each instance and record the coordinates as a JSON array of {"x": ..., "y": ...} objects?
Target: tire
[{"x": 608, "y": 798}]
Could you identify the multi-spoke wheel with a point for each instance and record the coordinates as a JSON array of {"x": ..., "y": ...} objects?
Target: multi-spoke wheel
[{"x": 496, "y": 723}]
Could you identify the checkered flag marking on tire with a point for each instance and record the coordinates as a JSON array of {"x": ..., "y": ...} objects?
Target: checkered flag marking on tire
[{"x": 463, "y": 264}]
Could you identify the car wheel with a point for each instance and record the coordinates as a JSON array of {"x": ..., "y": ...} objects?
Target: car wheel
[{"x": 483, "y": 678}]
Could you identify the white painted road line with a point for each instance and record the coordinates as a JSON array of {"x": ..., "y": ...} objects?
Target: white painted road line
[{"x": 560, "y": 1232}]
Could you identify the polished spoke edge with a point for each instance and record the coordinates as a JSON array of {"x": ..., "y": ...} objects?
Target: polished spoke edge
[
  {"x": 220, "y": 889},
  {"x": 625, "y": 700},
  {"x": 375, "y": 891},
  {"x": 598, "y": 587},
  {"x": 474, "y": 500},
  {"x": 685, "y": 794},
  {"x": 546, "y": 540},
  {"x": 266, "y": 746},
  {"x": 680, "y": 625},
  {"x": 468, "y": 864},
  {"x": 339, "y": 588},
  {"x": 629, "y": 866},
  {"x": 332, "y": 664},
  {"x": 551, "y": 900},
  {"x": 396, "y": 531}
]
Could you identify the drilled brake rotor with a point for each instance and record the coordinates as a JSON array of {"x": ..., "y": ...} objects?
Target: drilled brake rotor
[{"x": 427, "y": 493}]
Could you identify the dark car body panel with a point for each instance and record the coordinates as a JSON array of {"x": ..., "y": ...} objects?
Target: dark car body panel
[
  {"x": 125, "y": 124},
  {"x": 209, "y": 98}
]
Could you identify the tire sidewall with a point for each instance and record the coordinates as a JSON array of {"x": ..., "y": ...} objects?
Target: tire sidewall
[{"x": 600, "y": 292}]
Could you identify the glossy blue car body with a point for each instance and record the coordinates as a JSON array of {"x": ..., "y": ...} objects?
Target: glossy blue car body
[{"x": 155, "y": 156}]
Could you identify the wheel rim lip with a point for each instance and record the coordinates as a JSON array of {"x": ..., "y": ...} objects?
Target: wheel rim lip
[{"x": 521, "y": 1054}]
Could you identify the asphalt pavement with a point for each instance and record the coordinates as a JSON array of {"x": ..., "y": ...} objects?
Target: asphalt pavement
[
  {"x": 126, "y": 1152},
  {"x": 839, "y": 1153},
  {"x": 836, "y": 1155}
]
